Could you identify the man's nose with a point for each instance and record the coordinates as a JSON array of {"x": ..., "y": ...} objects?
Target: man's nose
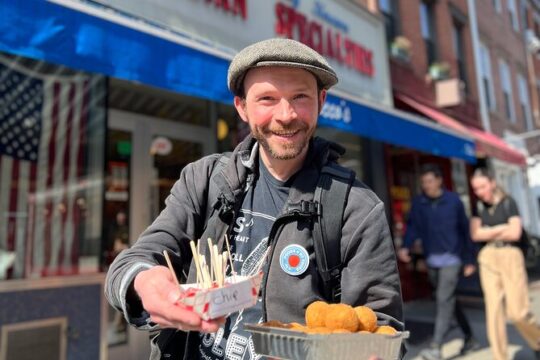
[{"x": 285, "y": 111}]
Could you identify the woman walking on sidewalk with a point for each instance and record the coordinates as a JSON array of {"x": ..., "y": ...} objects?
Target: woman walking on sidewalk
[{"x": 497, "y": 225}]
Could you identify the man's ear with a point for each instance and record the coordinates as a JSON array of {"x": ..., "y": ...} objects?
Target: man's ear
[
  {"x": 322, "y": 99},
  {"x": 240, "y": 105}
]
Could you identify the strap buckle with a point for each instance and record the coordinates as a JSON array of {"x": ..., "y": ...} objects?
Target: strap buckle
[{"x": 305, "y": 208}]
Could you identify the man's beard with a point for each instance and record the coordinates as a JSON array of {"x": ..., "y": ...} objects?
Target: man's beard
[{"x": 283, "y": 151}]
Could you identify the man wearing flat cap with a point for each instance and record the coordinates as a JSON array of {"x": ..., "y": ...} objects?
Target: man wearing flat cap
[{"x": 261, "y": 196}]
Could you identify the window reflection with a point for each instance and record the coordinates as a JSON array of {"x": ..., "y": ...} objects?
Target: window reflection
[{"x": 51, "y": 160}]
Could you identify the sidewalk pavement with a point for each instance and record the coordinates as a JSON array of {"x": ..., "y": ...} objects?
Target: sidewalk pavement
[{"x": 419, "y": 320}]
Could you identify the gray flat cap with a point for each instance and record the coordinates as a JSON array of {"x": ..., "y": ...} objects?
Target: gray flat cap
[{"x": 279, "y": 52}]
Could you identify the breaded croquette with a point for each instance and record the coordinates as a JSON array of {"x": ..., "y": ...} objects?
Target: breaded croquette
[{"x": 342, "y": 316}]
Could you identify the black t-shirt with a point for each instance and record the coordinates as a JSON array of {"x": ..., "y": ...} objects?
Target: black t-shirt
[
  {"x": 497, "y": 214},
  {"x": 263, "y": 202}
]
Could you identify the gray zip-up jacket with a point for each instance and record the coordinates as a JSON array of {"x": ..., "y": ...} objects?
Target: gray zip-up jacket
[{"x": 197, "y": 210}]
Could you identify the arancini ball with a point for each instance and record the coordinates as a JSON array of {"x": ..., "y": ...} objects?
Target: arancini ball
[
  {"x": 342, "y": 316},
  {"x": 275, "y": 323},
  {"x": 297, "y": 327},
  {"x": 367, "y": 318},
  {"x": 340, "y": 331},
  {"x": 318, "y": 330},
  {"x": 386, "y": 330},
  {"x": 316, "y": 313}
]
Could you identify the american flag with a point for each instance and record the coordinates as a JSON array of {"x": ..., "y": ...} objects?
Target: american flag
[{"x": 42, "y": 135}]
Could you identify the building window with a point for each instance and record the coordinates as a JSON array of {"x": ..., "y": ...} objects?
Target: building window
[
  {"x": 524, "y": 102},
  {"x": 487, "y": 81},
  {"x": 507, "y": 90},
  {"x": 459, "y": 49},
  {"x": 512, "y": 11},
  {"x": 389, "y": 9},
  {"x": 497, "y": 5},
  {"x": 427, "y": 26}
]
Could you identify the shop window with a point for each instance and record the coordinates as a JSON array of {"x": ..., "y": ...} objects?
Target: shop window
[
  {"x": 231, "y": 130},
  {"x": 352, "y": 143},
  {"x": 52, "y": 126}
]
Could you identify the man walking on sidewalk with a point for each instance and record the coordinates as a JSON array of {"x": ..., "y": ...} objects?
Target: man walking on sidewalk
[{"x": 438, "y": 218}]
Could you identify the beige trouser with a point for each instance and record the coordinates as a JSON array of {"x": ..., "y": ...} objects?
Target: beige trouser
[{"x": 504, "y": 282}]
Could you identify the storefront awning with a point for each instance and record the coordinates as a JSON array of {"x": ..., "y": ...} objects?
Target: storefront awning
[
  {"x": 85, "y": 37},
  {"x": 395, "y": 127},
  {"x": 487, "y": 144},
  {"x": 492, "y": 145}
]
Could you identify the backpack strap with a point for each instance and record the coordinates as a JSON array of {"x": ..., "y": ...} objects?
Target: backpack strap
[{"x": 331, "y": 195}]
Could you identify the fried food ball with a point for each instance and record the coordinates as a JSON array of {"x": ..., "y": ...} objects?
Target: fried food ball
[
  {"x": 341, "y": 331},
  {"x": 342, "y": 316},
  {"x": 364, "y": 332},
  {"x": 367, "y": 318},
  {"x": 316, "y": 313},
  {"x": 297, "y": 327},
  {"x": 386, "y": 330},
  {"x": 275, "y": 323},
  {"x": 318, "y": 330}
]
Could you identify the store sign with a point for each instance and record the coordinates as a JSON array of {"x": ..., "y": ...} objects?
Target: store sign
[
  {"x": 235, "y": 7},
  {"x": 352, "y": 39},
  {"x": 336, "y": 109},
  {"x": 161, "y": 146},
  {"x": 327, "y": 39}
]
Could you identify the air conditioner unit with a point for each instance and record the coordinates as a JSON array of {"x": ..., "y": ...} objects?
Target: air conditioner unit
[{"x": 449, "y": 92}]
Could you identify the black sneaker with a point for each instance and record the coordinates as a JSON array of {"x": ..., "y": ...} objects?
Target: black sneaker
[
  {"x": 433, "y": 353},
  {"x": 470, "y": 344}
]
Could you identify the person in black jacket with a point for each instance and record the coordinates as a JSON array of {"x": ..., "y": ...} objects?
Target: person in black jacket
[
  {"x": 438, "y": 218},
  {"x": 280, "y": 87}
]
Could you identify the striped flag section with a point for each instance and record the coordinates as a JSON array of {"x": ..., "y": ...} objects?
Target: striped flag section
[{"x": 42, "y": 152}]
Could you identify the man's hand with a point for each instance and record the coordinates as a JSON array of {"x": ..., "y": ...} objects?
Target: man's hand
[
  {"x": 159, "y": 295},
  {"x": 468, "y": 270},
  {"x": 403, "y": 255}
]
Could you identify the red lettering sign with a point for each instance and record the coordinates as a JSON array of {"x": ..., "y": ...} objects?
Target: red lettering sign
[
  {"x": 325, "y": 40},
  {"x": 235, "y": 7}
]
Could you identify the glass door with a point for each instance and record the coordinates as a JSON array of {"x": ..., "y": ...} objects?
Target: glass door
[{"x": 145, "y": 156}]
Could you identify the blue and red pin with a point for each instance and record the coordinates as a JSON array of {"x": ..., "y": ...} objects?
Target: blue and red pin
[{"x": 294, "y": 260}]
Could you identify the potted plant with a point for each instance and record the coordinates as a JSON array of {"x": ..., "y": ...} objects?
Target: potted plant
[
  {"x": 439, "y": 70},
  {"x": 400, "y": 48}
]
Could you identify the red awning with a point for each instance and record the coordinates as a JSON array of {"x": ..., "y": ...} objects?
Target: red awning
[
  {"x": 486, "y": 143},
  {"x": 492, "y": 145}
]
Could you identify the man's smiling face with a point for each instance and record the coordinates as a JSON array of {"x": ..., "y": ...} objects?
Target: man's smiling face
[{"x": 281, "y": 107}]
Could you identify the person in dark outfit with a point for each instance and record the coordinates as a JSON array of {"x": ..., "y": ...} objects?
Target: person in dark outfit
[
  {"x": 280, "y": 87},
  {"x": 438, "y": 218}
]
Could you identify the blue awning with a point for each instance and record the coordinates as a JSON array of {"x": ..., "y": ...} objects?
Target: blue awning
[
  {"x": 57, "y": 34},
  {"x": 121, "y": 47},
  {"x": 395, "y": 127}
]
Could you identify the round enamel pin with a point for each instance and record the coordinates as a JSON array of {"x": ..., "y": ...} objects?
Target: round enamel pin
[{"x": 294, "y": 260}]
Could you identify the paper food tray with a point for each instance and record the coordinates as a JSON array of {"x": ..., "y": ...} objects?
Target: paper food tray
[
  {"x": 233, "y": 296},
  {"x": 288, "y": 344}
]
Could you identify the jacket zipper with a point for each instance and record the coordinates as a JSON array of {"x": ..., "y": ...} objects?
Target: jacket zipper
[{"x": 276, "y": 230}]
